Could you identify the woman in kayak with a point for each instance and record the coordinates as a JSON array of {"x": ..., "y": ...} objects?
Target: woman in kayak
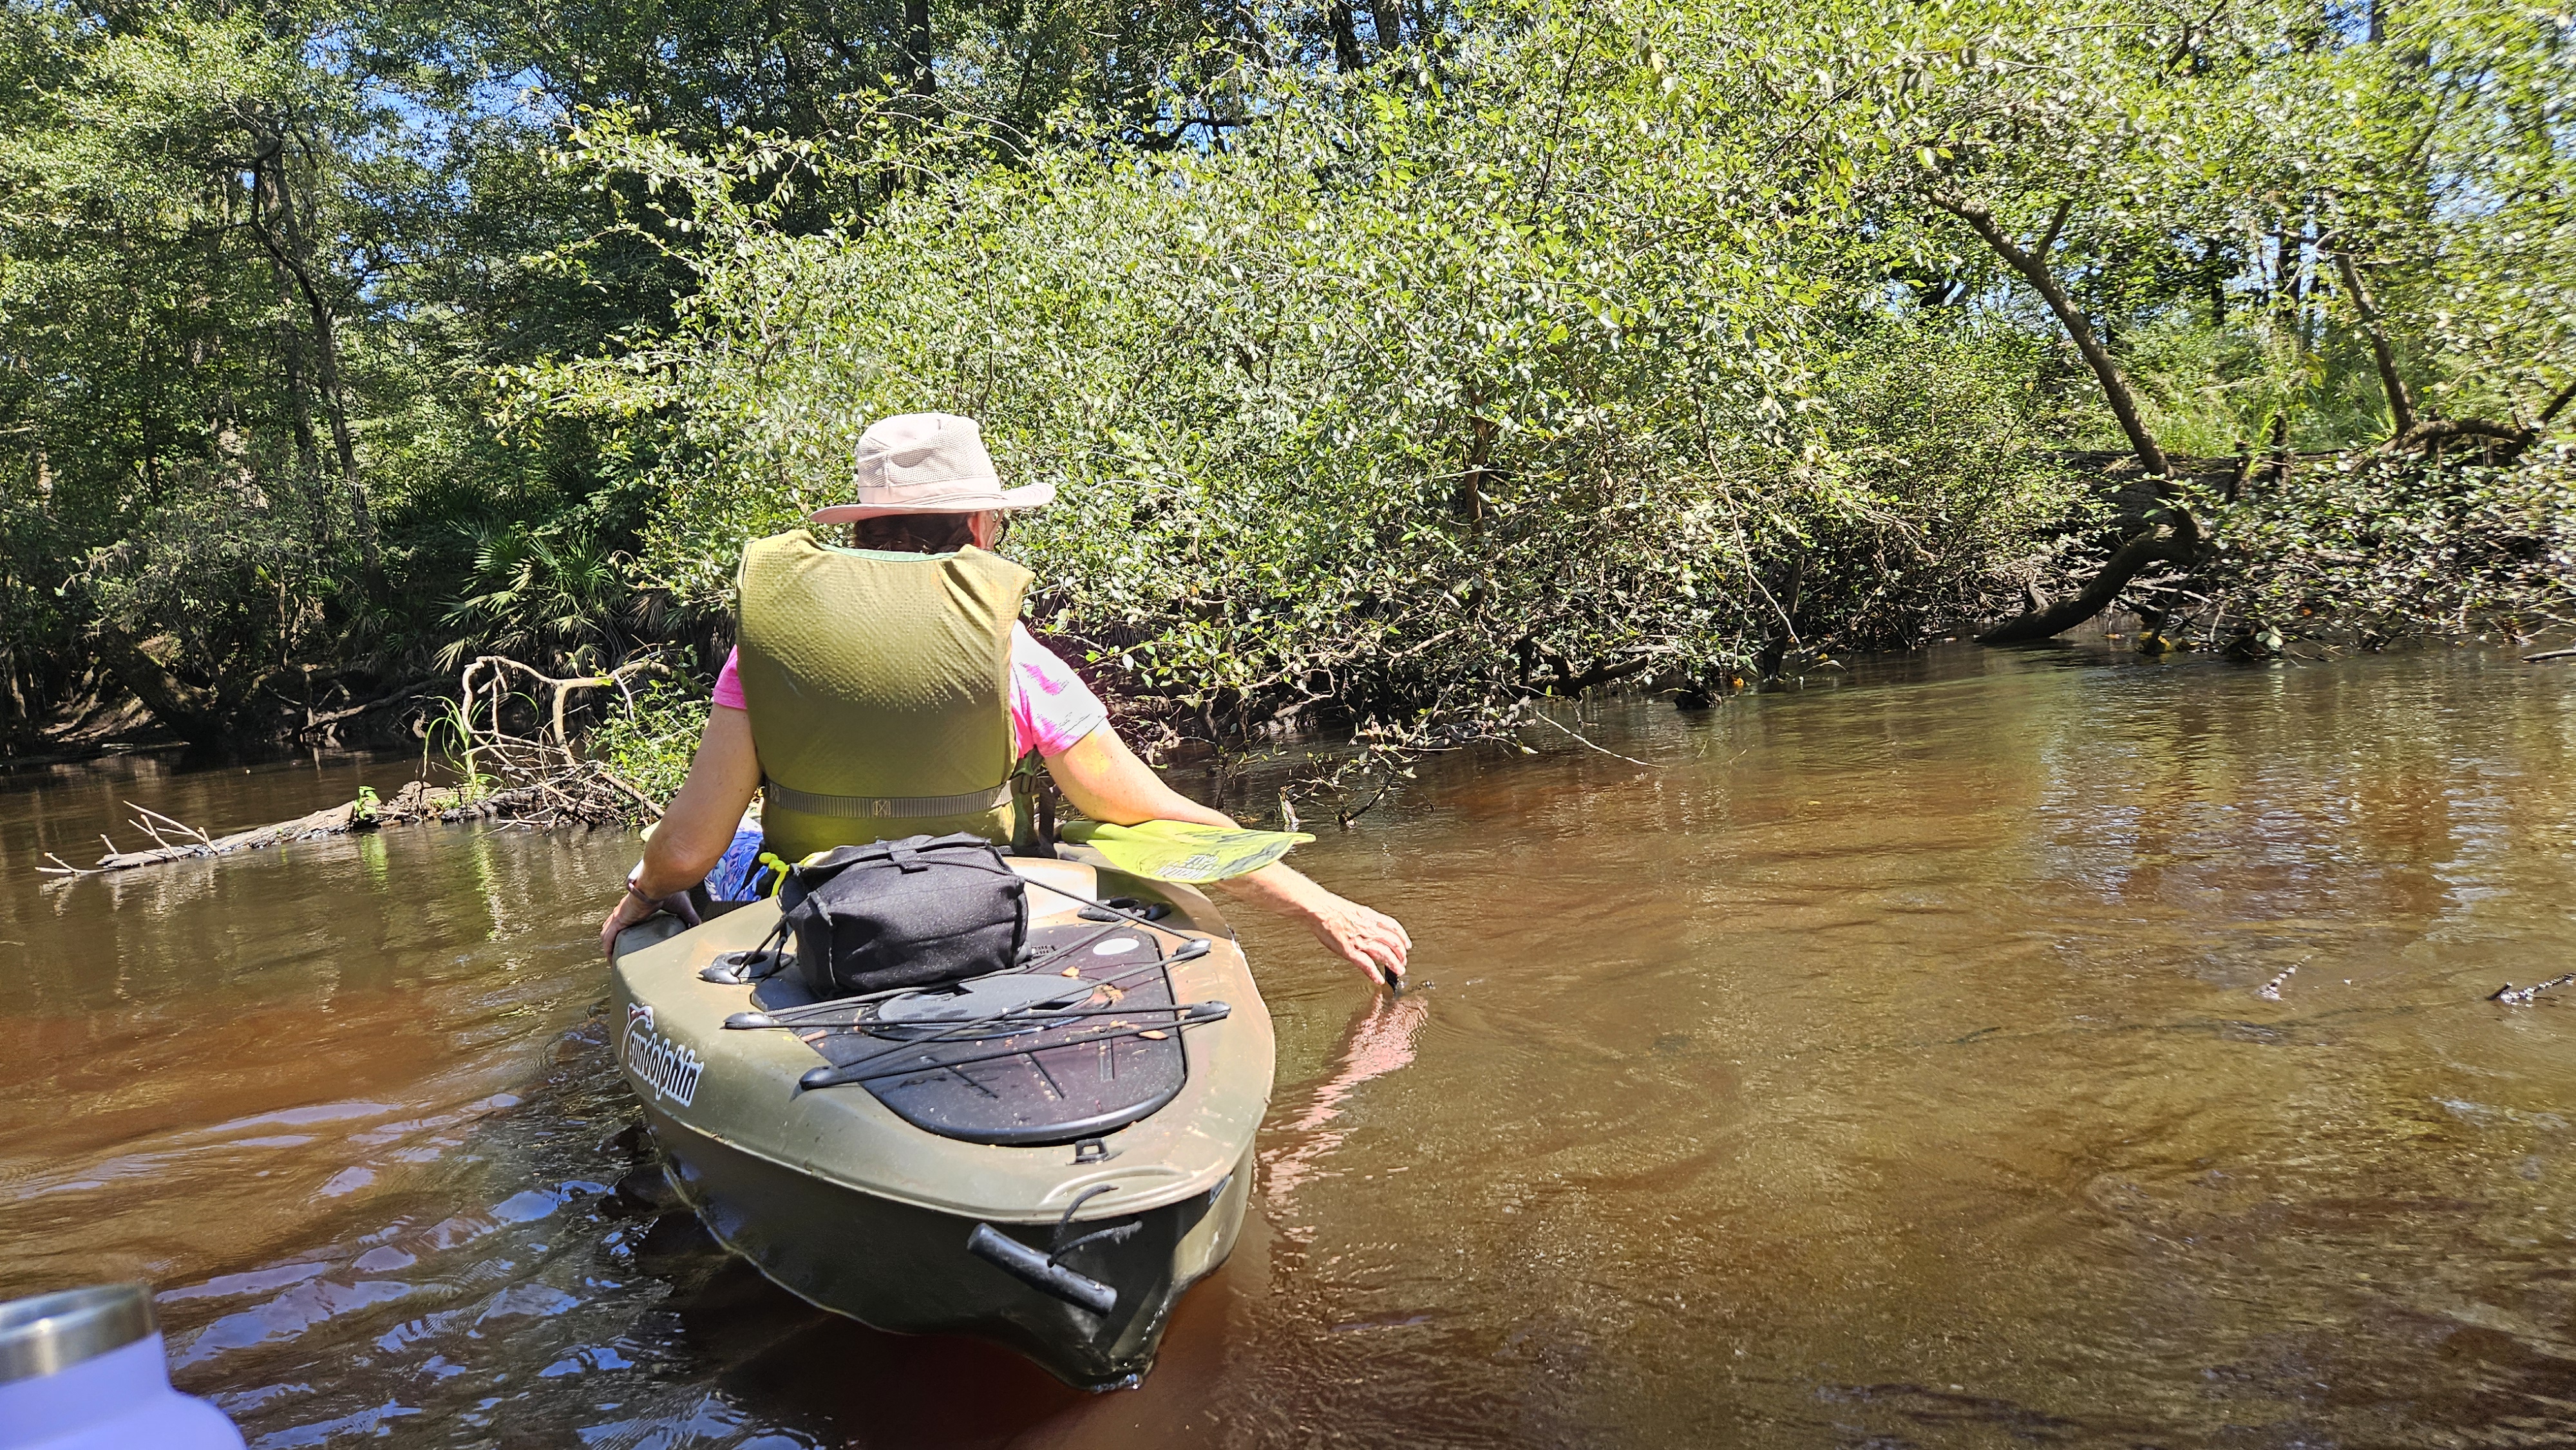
[{"x": 888, "y": 689}]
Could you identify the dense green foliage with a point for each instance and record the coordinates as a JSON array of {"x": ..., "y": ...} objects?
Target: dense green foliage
[
  {"x": 1396, "y": 362},
  {"x": 650, "y": 745},
  {"x": 1388, "y": 445}
]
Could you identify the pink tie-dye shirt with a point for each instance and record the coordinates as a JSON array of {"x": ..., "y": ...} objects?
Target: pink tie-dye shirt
[{"x": 1051, "y": 708}]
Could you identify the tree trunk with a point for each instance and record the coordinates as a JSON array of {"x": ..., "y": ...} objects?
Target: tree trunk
[
  {"x": 2275, "y": 283},
  {"x": 2155, "y": 545},
  {"x": 19, "y": 710},
  {"x": 917, "y": 52},
  {"x": 2548, "y": 415},
  {"x": 2303, "y": 284},
  {"x": 197, "y": 716},
  {"x": 1346, "y": 39},
  {"x": 1467, "y": 501},
  {"x": 1388, "y": 19},
  {"x": 2033, "y": 266},
  {"x": 299, "y": 401},
  {"x": 273, "y": 217},
  {"x": 2401, "y": 406}
]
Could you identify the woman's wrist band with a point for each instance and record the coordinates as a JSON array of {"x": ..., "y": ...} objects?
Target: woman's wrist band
[{"x": 639, "y": 894}]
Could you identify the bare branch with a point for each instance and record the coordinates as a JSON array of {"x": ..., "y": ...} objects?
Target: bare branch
[
  {"x": 1586, "y": 743},
  {"x": 2557, "y": 404},
  {"x": 2401, "y": 404},
  {"x": 2034, "y": 270},
  {"x": 2056, "y": 224},
  {"x": 2127, "y": 563}
]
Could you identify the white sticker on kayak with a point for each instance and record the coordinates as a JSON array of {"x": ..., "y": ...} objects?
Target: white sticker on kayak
[
  {"x": 1114, "y": 946},
  {"x": 666, "y": 1067}
]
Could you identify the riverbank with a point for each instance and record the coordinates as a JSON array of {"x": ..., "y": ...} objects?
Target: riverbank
[{"x": 2358, "y": 548}]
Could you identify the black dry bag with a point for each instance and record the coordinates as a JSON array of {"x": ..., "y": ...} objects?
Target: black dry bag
[{"x": 910, "y": 913}]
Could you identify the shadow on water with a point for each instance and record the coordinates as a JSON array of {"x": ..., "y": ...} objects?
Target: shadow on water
[{"x": 2031, "y": 1047}]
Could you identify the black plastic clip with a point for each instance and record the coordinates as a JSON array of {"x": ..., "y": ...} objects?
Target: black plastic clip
[
  {"x": 1126, "y": 908},
  {"x": 1091, "y": 1150},
  {"x": 733, "y": 969}
]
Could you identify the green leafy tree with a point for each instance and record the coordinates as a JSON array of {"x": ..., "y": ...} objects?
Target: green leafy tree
[{"x": 1416, "y": 402}]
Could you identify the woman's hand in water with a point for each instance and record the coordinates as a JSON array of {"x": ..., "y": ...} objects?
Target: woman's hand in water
[
  {"x": 1367, "y": 938},
  {"x": 1363, "y": 936}
]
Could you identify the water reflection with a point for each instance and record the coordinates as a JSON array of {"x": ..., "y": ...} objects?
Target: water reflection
[
  {"x": 1380, "y": 1044},
  {"x": 1884, "y": 1063}
]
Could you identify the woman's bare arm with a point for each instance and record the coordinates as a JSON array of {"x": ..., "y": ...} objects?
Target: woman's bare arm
[{"x": 1106, "y": 782}]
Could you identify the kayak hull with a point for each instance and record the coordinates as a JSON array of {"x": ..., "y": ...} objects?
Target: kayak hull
[
  {"x": 906, "y": 1269},
  {"x": 846, "y": 1204}
]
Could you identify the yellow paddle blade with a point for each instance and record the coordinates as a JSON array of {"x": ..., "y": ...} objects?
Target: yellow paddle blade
[{"x": 1180, "y": 851}]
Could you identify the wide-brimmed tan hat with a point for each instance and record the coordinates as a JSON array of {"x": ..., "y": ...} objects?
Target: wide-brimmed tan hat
[{"x": 927, "y": 463}]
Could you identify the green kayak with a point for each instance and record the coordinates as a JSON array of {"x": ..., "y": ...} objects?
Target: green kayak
[{"x": 1046, "y": 1157}]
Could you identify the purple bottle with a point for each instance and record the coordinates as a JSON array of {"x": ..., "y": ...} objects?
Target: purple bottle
[{"x": 83, "y": 1370}]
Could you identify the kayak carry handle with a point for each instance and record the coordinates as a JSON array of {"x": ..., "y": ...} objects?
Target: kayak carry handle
[{"x": 1039, "y": 1272}]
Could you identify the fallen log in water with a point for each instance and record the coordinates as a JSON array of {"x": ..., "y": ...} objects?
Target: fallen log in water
[
  {"x": 539, "y": 782},
  {"x": 546, "y": 786}
]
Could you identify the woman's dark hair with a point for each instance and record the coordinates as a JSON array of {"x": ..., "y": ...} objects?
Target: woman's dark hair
[{"x": 914, "y": 533}]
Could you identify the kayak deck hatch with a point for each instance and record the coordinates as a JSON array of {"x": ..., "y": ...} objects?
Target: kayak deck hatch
[{"x": 1019, "y": 1082}]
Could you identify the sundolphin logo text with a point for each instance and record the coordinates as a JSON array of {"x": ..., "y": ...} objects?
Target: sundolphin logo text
[{"x": 665, "y": 1066}]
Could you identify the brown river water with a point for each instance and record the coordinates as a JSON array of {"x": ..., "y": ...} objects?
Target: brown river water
[{"x": 1886, "y": 1062}]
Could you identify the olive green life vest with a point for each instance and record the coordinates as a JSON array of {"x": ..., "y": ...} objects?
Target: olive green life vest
[{"x": 879, "y": 691}]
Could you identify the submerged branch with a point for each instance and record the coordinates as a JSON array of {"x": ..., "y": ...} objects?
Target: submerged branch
[{"x": 1581, "y": 739}]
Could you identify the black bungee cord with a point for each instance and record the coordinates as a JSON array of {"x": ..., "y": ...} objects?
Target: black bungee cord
[
  {"x": 836, "y": 1074},
  {"x": 1200, "y": 1015}
]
